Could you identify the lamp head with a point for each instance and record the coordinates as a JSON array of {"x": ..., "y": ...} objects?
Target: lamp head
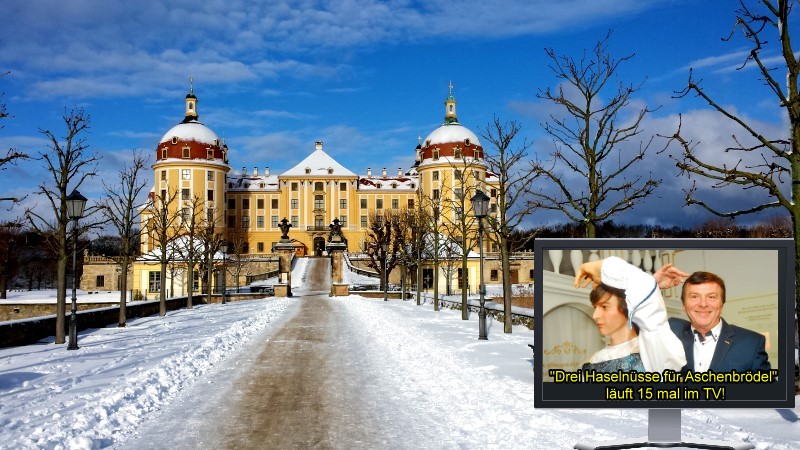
[{"x": 76, "y": 203}]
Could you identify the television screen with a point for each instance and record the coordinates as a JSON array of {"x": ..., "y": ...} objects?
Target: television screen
[{"x": 603, "y": 357}]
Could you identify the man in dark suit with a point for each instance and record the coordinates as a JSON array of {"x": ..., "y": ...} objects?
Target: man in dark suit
[{"x": 710, "y": 342}]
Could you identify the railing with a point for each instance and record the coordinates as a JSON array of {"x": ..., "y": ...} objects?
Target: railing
[
  {"x": 317, "y": 228},
  {"x": 567, "y": 262},
  {"x": 359, "y": 270}
]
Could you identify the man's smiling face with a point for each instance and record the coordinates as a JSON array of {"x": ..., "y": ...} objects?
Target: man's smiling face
[{"x": 703, "y": 304}]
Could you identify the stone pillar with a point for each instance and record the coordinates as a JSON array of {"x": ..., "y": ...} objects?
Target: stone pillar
[
  {"x": 338, "y": 287},
  {"x": 285, "y": 250}
]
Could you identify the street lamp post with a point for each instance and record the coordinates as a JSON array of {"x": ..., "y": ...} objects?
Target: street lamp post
[
  {"x": 385, "y": 248},
  {"x": 402, "y": 268},
  {"x": 480, "y": 207},
  {"x": 75, "y": 206},
  {"x": 223, "y": 247}
]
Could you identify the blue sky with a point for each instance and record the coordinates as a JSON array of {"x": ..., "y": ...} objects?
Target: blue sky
[{"x": 366, "y": 77}]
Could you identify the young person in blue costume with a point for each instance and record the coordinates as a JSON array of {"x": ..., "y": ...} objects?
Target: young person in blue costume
[{"x": 630, "y": 312}]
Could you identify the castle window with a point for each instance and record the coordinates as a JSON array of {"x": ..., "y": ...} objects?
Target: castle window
[
  {"x": 395, "y": 203},
  {"x": 231, "y": 203},
  {"x": 435, "y": 194},
  {"x": 260, "y": 203},
  {"x": 163, "y": 153},
  {"x": 260, "y": 247},
  {"x": 458, "y": 153},
  {"x": 436, "y": 153},
  {"x": 457, "y": 174},
  {"x": 435, "y": 175},
  {"x": 379, "y": 185},
  {"x": 245, "y": 221},
  {"x": 210, "y": 195},
  {"x": 493, "y": 275},
  {"x": 186, "y": 174},
  {"x": 308, "y": 170},
  {"x": 260, "y": 221},
  {"x": 230, "y": 185},
  {"x": 294, "y": 187},
  {"x": 185, "y": 152},
  {"x": 493, "y": 193},
  {"x": 319, "y": 186},
  {"x": 261, "y": 185},
  {"x": 274, "y": 221},
  {"x": 174, "y": 139},
  {"x": 210, "y": 175},
  {"x": 411, "y": 203},
  {"x": 154, "y": 281},
  {"x": 184, "y": 194},
  {"x": 412, "y": 185},
  {"x": 231, "y": 221},
  {"x": 210, "y": 154},
  {"x": 100, "y": 281},
  {"x": 245, "y": 203},
  {"x": 343, "y": 203},
  {"x": 379, "y": 203},
  {"x": 319, "y": 202},
  {"x": 216, "y": 142},
  {"x": 342, "y": 186},
  {"x": 294, "y": 203},
  {"x": 343, "y": 221},
  {"x": 274, "y": 203},
  {"x": 363, "y": 221},
  {"x": 466, "y": 142},
  {"x": 394, "y": 185},
  {"x": 319, "y": 222},
  {"x": 295, "y": 221},
  {"x": 363, "y": 203},
  {"x": 330, "y": 171},
  {"x": 163, "y": 175},
  {"x": 210, "y": 216},
  {"x": 427, "y": 143}
]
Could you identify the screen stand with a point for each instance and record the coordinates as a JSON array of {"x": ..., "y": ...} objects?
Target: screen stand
[{"x": 664, "y": 431}]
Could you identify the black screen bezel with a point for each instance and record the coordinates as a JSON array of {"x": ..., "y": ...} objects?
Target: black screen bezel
[{"x": 779, "y": 394}]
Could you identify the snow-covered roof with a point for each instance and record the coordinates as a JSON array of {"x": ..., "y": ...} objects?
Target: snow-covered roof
[
  {"x": 452, "y": 132},
  {"x": 403, "y": 182},
  {"x": 191, "y": 131},
  {"x": 253, "y": 182},
  {"x": 318, "y": 163}
]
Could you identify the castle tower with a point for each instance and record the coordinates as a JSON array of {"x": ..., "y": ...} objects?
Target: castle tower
[
  {"x": 450, "y": 164},
  {"x": 190, "y": 171}
]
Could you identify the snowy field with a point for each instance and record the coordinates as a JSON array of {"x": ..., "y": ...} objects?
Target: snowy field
[{"x": 480, "y": 393}]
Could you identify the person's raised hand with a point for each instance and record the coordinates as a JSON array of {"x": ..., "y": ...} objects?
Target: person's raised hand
[{"x": 669, "y": 276}]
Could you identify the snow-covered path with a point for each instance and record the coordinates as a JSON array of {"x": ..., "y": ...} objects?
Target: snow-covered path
[{"x": 161, "y": 381}]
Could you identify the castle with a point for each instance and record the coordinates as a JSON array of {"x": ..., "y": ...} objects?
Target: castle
[{"x": 193, "y": 178}]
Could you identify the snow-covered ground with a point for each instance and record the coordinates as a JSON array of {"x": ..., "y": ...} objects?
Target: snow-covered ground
[{"x": 480, "y": 393}]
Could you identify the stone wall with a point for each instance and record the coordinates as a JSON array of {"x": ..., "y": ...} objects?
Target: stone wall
[{"x": 32, "y": 330}]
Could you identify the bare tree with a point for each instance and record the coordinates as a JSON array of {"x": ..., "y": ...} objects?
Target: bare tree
[
  {"x": 238, "y": 236},
  {"x": 458, "y": 186},
  {"x": 160, "y": 227},
  {"x": 190, "y": 247},
  {"x": 512, "y": 206},
  {"x": 775, "y": 160},
  {"x": 12, "y": 238},
  {"x": 384, "y": 228},
  {"x": 69, "y": 167},
  {"x": 590, "y": 140},
  {"x": 121, "y": 209},
  {"x": 11, "y": 154},
  {"x": 211, "y": 239}
]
